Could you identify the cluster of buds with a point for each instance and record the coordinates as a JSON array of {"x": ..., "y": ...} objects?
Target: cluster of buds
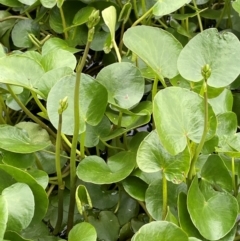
[
  {"x": 63, "y": 104},
  {"x": 206, "y": 71},
  {"x": 93, "y": 20}
]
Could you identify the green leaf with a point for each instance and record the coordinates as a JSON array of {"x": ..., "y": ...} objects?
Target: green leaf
[
  {"x": 128, "y": 208},
  {"x": 26, "y": 71},
  {"x": 213, "y": 219},
  {"x": 21, "y": 31},
  {"x": 160, "y": 55},
  {"x": 48, "y": 3},
  {"x": 227, "y": 126},
  {"x": 82, "y": 232},
  {"x": 107, "y": 226},
  {"x": 28, "y": 2},
  {"x": 221, "y": 51},
  {"x": 95, "y": 170},
  {"x": 56, "y": 44},
  {"x": 36, "y": 231},
  {"x": 3, "y": 216},
  {"x": 184, "y": 217},
  {"x": 124, "y": 84},
  {"x": 5, "y": 25},
  {"x": 35, "y": 132},
  {"x": 222, "y": 103},
  {"x": 50, "y": 78},
  {"x": 160, "y": 231},
  {"x": 11, "y": 3},
  {"x": 102, "y": 197},
  {"x": 40, "y": 176},
  {"x": 83, "y": 199},
  {"x": 179, "y": 115},
  {"x": 152, "y": 157},
  {"x": 40, "y": 196},
  {"x": 17, "y": 159},
  {"x": 93, "y": 101},
  {"x": 20, "y": 205},
  {"x": 82, "y": 16},
  {"x": 110, "y": 17},
  {"x": 17, "y": 140},
  {"x": 236, "y": 6},
  {"x": 135, "y": 187},
  {"x": 215, "y": 172},
  {"x": 57, "y": 59},
  {"x": 154, "y": 197},
  {"x": 95, "y": 133},
  {"x": 47, "y": 159},
  {"x": 11, "y": 235},
  {"x": 164, "y": 7}
]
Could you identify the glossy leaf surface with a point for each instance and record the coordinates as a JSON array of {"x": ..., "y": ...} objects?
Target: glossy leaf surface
[
  {"x": 124, "y": 84},
  {"x": 152, "y": 157},
  {"x": 17, "y": 140},
  {"x": 218, "y": 50},
  {"x": 160, "y": 55},
  {"x": 179, "y": 114},
  {"x": 201, "y": 209},
  {"x": 94, "y": 169},
  {"x": 160, "y": 231},
  {"x": 82, "y": 232},
  {"x": 20, "y": 215}
]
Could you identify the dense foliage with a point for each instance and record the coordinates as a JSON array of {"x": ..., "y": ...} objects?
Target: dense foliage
[{"x": 119, "y": 120}]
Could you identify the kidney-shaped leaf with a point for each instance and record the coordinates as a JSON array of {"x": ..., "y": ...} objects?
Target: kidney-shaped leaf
[
  {"x": 164, "y": 7},
  {"x": 40, "y": 196},
  {"x": 214, "y": 217},
  {"x": 26, "y": 71},
  {"x": 221, "y": 51},
  {"x": 82, "y": 232},
  {"x": 179, "y": 115},
  {"x": 95, "y": 170},
  {"x": 160, "y": 231},
  {"x": 17, "y": 140},
  {"x": 152, "y": 157},
  {"x": 93, "y": 101},
  {"x": 20, "y": 204},
  {"x": 124, "y": 84},
  {"x": 160, "y": 51}
]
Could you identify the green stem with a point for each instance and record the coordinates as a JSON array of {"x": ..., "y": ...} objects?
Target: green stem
[
  {"x": 111, "y": 147},
  {"x": 59, "y": 177},
  {"x": 79, "y": 69},
  {"x": 69, "y": 144},
  {"x": 63, "y": 23},
  {"x": 198, "y": 16},
  {"x": 117, "y": 51},
  {"x": 29, "y": 114},
  {"x": 233, "y": 177},
  {"x": 205, "y": 130},
  {"x": 12, "y": 17},
  {"x": 82, "y": 144},
  {"x": 165, "y": 199},
  {"x": 143, "y": 17},
  {"x": 38, "y": 102},
  {"x": 119, "y": 119},
  {"x": 144, "y": 9}
]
